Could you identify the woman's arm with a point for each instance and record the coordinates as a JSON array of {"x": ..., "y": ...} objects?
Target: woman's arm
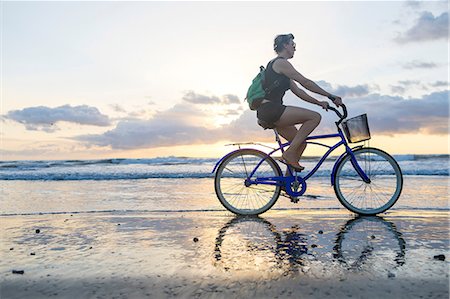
[
  {"x": 306, "y": 97},
  {"x": 285, "y": 67}
]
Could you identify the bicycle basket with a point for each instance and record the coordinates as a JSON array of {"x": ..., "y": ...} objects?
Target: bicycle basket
[{"x": 356, "y": 129}]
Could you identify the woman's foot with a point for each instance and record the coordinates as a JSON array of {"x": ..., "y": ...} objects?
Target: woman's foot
[{"x": 291, "y": 161}]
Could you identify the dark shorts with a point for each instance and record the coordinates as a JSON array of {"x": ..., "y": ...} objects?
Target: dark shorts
[{"x": 270, "y": 112}]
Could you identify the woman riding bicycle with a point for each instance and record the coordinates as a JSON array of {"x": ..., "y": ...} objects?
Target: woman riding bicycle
[{"x": 272, "y": 111}]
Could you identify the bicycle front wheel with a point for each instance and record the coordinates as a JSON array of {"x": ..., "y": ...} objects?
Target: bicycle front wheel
[
  {"x": 232, "y": 190},
  {"x": 377, "y": 196}
]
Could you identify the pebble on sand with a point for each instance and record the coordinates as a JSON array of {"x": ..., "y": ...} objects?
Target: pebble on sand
[
  {"x": 32, "y": 253},
  {"x": 320, "y": 232},
  {"x": 18, "y": 271},
  {"x": 38, "y": 231},
  {"x": 195, "y": 239},
  {"x": 440, "y": 257}
]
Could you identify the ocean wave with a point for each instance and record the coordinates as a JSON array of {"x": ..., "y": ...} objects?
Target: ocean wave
[
  {"x": 155, "y": 175},
  {"x": 28, "y": 164},
  {"x": 179, "y": 167},
  {"x": 172, "y": 160},
  {"x": 400, "y": 158},
  {"x": 103, "y": 177}
]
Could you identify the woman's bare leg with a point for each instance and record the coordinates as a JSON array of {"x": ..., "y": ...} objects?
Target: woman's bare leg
[
  {"x": 290, "y": 117},
  {"x": 289, "y": 133}
]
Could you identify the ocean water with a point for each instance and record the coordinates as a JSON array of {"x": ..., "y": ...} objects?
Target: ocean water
[
  {"x": 179, "y": 167},
  {"x": 177, "y": 184}
]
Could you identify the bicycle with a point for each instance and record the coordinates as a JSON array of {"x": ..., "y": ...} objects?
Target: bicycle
[{"x": 366, "y": 180}]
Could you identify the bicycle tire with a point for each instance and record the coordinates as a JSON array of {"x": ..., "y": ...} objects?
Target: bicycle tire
[
  {"x": 230, "y": 186},
  {"x": 368, "y": 198}
]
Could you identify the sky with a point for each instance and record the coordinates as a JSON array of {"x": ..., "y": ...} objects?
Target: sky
[{"x": 93, "y": 80}]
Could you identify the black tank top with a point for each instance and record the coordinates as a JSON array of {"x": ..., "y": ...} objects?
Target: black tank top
[{"x": 277, "y": 93}]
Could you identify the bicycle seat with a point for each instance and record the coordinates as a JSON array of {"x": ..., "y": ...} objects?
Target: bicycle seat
[{"x": 265, "y": 124}]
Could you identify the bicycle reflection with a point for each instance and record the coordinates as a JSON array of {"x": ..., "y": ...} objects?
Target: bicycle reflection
[
  {"x": 254, "y": 243},
  {"x": 369, "y": 241}
]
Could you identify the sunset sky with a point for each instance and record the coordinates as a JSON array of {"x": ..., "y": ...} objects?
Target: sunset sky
[{"x": 91, "y": 80}]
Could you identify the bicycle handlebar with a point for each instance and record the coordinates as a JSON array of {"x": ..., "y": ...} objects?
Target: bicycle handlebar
[{"x": 338, "y": 113}]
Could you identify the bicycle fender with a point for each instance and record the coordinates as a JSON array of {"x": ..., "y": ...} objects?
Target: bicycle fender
[
  {"x": 229, "y": 154},
  {"x": 339, "y": 161}
]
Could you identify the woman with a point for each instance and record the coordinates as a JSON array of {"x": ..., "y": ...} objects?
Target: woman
[{"x": 271, "y": 109}]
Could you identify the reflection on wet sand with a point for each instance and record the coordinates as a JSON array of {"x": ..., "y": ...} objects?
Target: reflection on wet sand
[
  {"x": 254, "y": 244},
  {"x": 317, "y": 254},
  {"x": 369, "y": 240}
]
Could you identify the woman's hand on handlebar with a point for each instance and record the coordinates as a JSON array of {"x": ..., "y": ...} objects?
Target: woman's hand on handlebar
[
  {"x": 336, "y": 100},
  {"x": 324, "y": 104}
]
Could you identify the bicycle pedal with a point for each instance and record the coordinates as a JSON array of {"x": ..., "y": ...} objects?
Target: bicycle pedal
[{"x": 294, "y": 199}]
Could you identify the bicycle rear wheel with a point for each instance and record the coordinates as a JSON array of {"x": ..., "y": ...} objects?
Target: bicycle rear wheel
[
  {"x": 386, "y": 182},
  {"x": 230, "y": 182}
]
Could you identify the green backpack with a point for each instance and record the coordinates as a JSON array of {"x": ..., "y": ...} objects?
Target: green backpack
[{"x": 257, "y": 91}]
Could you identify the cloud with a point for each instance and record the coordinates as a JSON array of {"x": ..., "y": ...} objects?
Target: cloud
[
  {"x": 184, "y": 114},
  {"x": 404, "y": 85},
  {"x": 395, "y": 115},
  {"x": 195, "y": 98},
  {"x": 231, "y": 99},
  {"x": 232, "y": 112},
  {"x": 134, "y": 134},
  {"x": 345, "y": 91},
  {"x": 45, "y": 119},
  {"x": 117, "y": 108},
  {"x": 427, "y": 27},
  {"x": 398, "y": 89},
  {"x": 415, "y": 64},
  {"x": 181, "y": 124},
  {"x": 440, "y": 84},
  {"x": 412, "y": 3},
  {"x": 355, "y": 91},
  {"x": 409, "y": 82}
]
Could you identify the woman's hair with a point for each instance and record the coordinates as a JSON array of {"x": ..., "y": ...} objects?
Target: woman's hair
[{"x": 281, "y": 40}]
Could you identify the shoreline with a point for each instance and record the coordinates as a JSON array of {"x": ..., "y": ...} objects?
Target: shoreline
[{"x": 306, "y": 210}]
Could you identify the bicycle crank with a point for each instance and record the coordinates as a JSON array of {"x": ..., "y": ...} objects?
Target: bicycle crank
[{"x": 294, "y": 186}]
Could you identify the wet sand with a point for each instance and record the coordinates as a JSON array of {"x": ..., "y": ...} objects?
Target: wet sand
[{"x": 213, "y": 254}]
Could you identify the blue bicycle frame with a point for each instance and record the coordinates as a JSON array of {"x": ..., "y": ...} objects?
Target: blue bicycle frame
[{"x": 301, "y": 181}]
